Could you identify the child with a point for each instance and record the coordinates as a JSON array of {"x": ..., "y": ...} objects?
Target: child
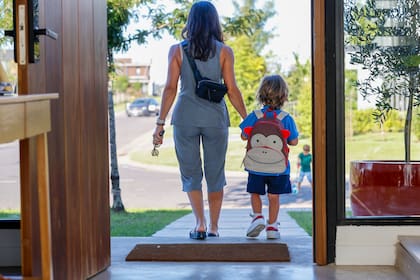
[
  {"x": 272, "y": 94},
  {"x": 304, "y": 163}
]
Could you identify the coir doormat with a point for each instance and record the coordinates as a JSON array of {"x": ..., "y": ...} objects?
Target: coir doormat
[{"x": 247, "y": 251}]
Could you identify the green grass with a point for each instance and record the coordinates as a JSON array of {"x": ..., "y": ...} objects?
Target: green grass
[
  {"x": 143, "y": 223},
  {"x": 133, "y": 222},
  {"x": 303, "y": 219},
  {"x": 380, "y": 146}
]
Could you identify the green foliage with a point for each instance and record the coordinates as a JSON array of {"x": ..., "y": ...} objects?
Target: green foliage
[
  {"x": 303, "y": 116},
  {"x": 394, "y": 122},
  {"x": 416, "y": 124},
  {"x": 6, "y": 18},
  {"x": 250, "y": 22},
  {"x": 298, "y": 76},
  {"x": 120, "y": 83},
  {"x": 350, "y": 89},
  {"x": 250, "y": 68},
  {"x": 136, "y": 86},
  {"x": 363, "y": 121},
  {"x": 300, "y": 96}
]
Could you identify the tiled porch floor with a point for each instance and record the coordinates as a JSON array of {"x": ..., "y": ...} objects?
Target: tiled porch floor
[{"x": 233, "y": 224}]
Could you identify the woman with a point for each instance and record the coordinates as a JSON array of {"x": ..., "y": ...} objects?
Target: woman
[{"x": 197, "y": 121}]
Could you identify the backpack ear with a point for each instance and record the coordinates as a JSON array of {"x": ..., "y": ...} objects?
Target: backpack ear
[
  {"x": 247, "y": 130},
  {"x": 285, "y": 133}
]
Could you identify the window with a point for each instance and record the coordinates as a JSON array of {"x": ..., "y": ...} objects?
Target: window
[{"x": 381, "y": 90}]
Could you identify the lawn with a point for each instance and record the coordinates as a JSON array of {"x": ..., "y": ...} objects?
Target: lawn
[
  {"x": 143, "y": 223},
  {"x": 133, "y": 222},
  {"x": 303, "y": 219}
]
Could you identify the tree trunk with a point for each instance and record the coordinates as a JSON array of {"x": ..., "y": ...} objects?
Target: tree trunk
[
  {"x": 407, "y": 126},
  {"x": 117, "y": 204}
]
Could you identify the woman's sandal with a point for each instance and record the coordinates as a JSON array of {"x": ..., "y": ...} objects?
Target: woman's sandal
[
  {"x": 211, "y": 234},
  {"x": 198, "y": 235}
]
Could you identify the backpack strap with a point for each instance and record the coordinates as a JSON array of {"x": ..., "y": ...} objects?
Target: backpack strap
[
  {"x": 259, "y": 114},
  {"x": 282, "y": 115}
]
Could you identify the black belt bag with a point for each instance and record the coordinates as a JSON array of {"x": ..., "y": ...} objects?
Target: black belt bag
[
  {"x": 205, "y": 88},
  {"x": 211, "y": 90}
]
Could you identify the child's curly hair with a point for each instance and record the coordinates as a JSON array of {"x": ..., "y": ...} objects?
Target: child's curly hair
[{"x": 273, "y": 91}]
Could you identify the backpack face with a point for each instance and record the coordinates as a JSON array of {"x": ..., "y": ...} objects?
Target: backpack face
[{"x": 267, "y": 150}]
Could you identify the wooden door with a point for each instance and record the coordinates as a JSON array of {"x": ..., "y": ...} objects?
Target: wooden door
[{"x": 74, "y": 65}]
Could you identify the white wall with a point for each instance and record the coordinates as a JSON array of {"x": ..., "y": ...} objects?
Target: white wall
[
  {"x": 9, "y": 247},
  {"x": 369, "y": 245}
]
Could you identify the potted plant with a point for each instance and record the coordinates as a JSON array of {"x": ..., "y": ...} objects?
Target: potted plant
[{"x": 383, "y": 38}]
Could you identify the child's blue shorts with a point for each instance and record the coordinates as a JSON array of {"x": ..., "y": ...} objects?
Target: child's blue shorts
[{"x": 275, "y": 184}]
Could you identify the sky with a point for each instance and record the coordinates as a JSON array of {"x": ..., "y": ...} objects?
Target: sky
[{"x": 292, "y": 35}]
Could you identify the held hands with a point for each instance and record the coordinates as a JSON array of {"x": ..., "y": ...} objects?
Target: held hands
[{"x": 244, "y": 137}]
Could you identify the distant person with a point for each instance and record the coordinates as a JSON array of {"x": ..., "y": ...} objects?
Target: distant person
[
  {"x": 269, "y": 168},
  {"x": 199, "y": 122},
  {"x": 304, "y": 164}
]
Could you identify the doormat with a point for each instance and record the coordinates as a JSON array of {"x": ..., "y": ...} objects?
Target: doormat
[{"x": 270, "y": 251}]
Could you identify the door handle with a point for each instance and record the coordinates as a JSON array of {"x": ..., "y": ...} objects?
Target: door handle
[{"x": 47, "y": 32}]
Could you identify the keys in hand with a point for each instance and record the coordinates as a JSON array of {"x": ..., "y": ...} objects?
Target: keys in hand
[{"x": 155, "y": 151}]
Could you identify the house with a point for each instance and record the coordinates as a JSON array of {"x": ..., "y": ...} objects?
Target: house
[{"x": 138, "y": 75}]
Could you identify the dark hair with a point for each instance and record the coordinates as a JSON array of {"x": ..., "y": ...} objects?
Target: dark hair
[
  {"x": 273, "y": 91},
  {"x": 202, "y": 30}
]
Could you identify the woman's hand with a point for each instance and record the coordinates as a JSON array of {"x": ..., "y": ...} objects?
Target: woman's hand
[{"x": 158, "y": 135}]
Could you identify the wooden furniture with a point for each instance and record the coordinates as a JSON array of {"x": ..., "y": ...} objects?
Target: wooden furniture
[{"x": 23, "y": 117}]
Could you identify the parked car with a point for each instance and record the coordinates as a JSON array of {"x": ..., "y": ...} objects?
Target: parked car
[{"x": 143, "y": 107}]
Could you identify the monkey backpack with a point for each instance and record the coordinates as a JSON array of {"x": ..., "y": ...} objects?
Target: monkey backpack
[{"x": 267, "y": 150}]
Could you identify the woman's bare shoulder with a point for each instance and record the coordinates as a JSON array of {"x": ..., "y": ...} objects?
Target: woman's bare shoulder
[
  {"x": 226, "y": 53},
  {"x": 175, "y": 51},
  {"x": 226, "y": 49}
]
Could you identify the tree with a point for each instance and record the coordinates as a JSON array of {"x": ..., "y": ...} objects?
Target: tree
[
  {"x": 249, "y": 69},
  {"x": 385, "y": 41},
  {"x": 250, "y": 64},
  {"x": 300, "y": 95},
  {"x": 121, "y": 83}
]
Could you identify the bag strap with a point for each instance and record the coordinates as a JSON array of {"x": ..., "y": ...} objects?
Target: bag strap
[
  {"x": 259, "y": 113},
  {"x": 280, "y": 116},
  {"x": 197, "y": 75}
]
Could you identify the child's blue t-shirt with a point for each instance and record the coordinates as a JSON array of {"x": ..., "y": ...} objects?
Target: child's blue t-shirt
[{"x": 288, "y": 123}]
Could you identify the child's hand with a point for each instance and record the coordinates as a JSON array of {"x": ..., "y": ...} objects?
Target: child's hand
[{"x": 244, "y": 137}]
